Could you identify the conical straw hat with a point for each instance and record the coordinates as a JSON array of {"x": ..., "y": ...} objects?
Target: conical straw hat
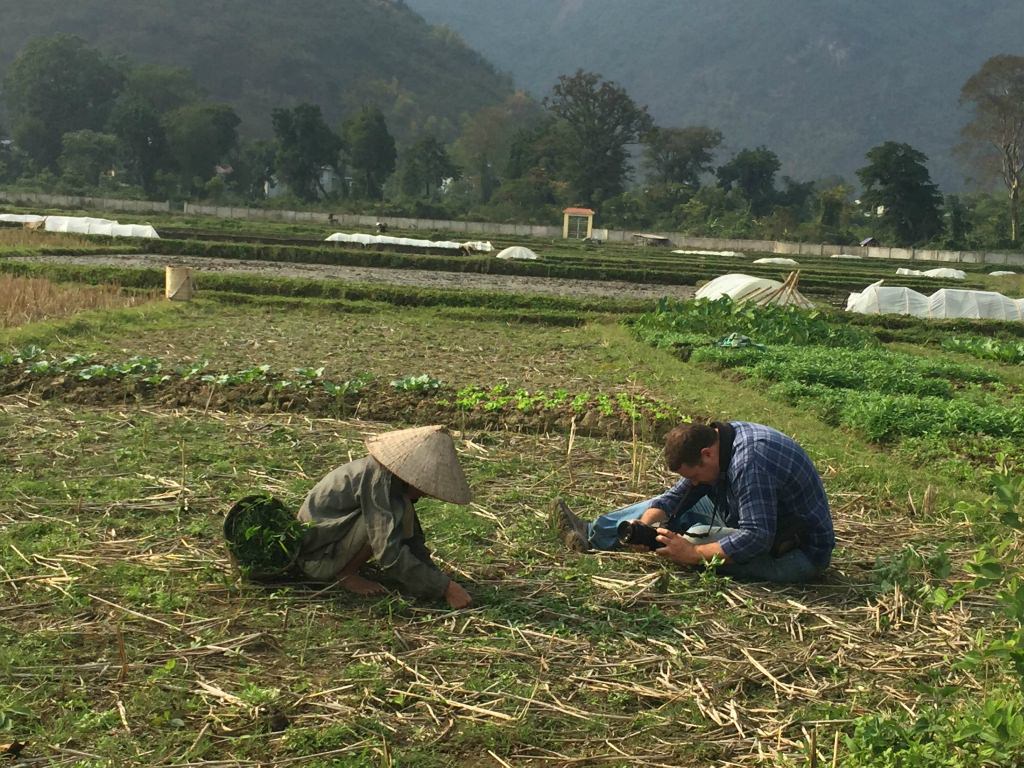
[{"x": 425, "y": 458}]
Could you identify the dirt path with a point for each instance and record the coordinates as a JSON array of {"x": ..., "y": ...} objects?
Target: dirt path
[{"x": 413, "y": 277}]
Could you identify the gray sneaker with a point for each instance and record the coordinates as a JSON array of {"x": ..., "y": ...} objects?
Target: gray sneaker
[{"x": 571, "y": 529}]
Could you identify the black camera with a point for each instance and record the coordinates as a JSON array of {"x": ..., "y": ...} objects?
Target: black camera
[{"x": 633, "y": 532}]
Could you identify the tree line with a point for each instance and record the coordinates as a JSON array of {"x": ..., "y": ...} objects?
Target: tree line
[{"x": 82, "y": 121}]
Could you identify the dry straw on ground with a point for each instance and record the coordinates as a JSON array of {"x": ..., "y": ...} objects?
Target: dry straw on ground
[
  {"x": 742, "y": 674},
  {"x": 26, "y": 300},
  {"x": 16, "y": 237}
]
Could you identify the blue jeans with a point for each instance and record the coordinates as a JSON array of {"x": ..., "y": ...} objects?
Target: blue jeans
[
  {"x": 794, "y": 567},
  {"x": 604, "y": 531}
]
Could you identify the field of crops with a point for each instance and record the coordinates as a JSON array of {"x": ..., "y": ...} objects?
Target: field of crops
[
  {"x": 825, "y": 278},
  {"x": 126, "y": 637}
]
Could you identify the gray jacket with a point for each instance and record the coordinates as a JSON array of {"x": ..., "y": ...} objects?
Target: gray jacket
[{"x": 365, "y": 488}]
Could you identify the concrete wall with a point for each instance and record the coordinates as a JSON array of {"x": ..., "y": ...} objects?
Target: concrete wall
[{"x": 85, "y": 203}]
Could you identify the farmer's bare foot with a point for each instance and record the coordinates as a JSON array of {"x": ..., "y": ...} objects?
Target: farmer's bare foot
[{"x": 360, "y": 586}]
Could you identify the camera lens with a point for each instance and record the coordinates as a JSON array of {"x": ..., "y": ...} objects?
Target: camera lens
[{"x": 633, "y": 533}]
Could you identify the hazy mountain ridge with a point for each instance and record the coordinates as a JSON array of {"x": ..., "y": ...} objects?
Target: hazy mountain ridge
[
  {"x": 261, "y": 54},
  {"x": 818, "y": 83}
]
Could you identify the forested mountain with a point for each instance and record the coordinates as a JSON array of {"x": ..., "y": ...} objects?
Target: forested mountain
[
  {"x": 819, "y": 83},
  {"x": 257, "y": 55}
]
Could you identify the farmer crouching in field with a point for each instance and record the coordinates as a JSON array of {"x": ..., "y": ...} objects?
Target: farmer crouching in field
[
  {"x": 364, "y": 509},
  {"x": 773, "y": 520}
]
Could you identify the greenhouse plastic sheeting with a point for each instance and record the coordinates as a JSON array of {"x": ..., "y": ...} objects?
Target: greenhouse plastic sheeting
[
  {"x": 77, "y": 225},
  {"x": 946, "y": 272},
  {"x": 517, "y": 252},
  {"x": 21, "y": 218},
  {"x": 84, "y": 225},
  {"x": 878, "y": 299},
  {"x": 710, "y": 253},
  {"x": 363, "y": 239},
  {"x": 779, "y": 261},
  {"x": 739, "y": 287},
  {"x": 953, "y": 302},
  {"x": 946, "y": 303}
]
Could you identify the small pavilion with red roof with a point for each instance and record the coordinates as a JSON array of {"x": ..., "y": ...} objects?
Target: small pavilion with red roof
[{"x": 577, "y": 223}]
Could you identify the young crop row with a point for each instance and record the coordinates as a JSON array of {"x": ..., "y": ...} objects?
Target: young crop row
[
  {"x": 1010, "y": 352},
  {"x": 884, "y": 395},
  {"x": 695, "y": 322},
  {"x": 501, "y": 399},
  {"x": 875, "y": 369}
]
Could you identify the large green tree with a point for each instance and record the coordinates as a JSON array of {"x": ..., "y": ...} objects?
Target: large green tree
[
  {"x": 137, "y": 125},
  {"x": 752, "y": 172},
  {"x": 86, "y": 156},
  {"x": 484, "y": 146},
  {"x": 253, "y": 164},
  {"x": 680, "y": 155},
  {"x": 57, "y": 85},
  {"x": 896, "y": 179},
  {"x": 602, "y": 122},
  {"x": 165, "y": 88},
  {"x": 305, "y": 144},
  {"x": 370, "y": 148},
  {"x": 996, "y": 92},
  {"x": 198, "y": 137},
  {"x": 426, "y": 165}
]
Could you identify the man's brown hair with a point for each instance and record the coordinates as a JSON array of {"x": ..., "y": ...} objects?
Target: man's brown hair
[{"x": 684, "y": 444}]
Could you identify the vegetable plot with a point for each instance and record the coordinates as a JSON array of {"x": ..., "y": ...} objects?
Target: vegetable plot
[
  {"x": 415, "y": 397},
  {"x": 845, "y": 377}
]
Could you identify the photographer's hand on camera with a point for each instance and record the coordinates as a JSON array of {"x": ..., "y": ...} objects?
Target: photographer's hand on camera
[
  {"x": 683, "y": 552},
  {"x": 653, "y": 516}
]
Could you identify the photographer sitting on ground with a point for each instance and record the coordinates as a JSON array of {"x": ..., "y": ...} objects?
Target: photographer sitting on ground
[
  {"x": 364, "y": 509},
  {"x": 774, "y": 519}
]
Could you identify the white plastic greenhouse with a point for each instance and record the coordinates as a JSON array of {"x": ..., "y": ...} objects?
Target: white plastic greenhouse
[
  {"x": 517, "y": 252},
  {"x": 945, "y": 303},
  {"x": 760, "y": 290},
  {"x": 878, "y": 299}
]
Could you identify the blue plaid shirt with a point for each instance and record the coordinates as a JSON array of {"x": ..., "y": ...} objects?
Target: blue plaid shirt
[{"x": 770, "y": 484}]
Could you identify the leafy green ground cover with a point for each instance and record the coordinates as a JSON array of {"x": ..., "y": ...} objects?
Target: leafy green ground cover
[
  {"x": 986, "y": 348},
  {"x": 126, "y": 638},
  {"x": 811, "y": 359}
]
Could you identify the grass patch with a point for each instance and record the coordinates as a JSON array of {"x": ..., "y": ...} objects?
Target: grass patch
[{"x": 124, "y": 633}]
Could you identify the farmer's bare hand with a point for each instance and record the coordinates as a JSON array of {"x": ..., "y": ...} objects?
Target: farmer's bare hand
[{"x": 456, "y": 596}]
